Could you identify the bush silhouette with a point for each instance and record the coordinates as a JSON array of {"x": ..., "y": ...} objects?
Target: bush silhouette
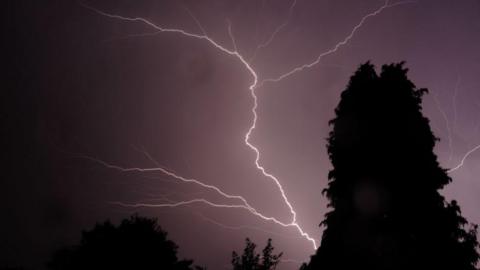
[
  {"x": 386, "y": 211},
  {"x": 137, "y": 243},
  {"x": 250, "y": 260}
]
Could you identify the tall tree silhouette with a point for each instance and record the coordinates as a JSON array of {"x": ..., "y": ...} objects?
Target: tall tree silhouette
[
  {"x": 250, "y": 260},
  {"x": 387, "y": 212},
  {"x": 137, "y": 243}
]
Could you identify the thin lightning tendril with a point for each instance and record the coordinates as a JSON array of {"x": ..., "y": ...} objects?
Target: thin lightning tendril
[
  {"x": 447, "y": 127},
  {"x": 454, "y": 101},
  {"x": 178, "y": 177},
  {"x": 280, "y": 27},
  {"x": 255, "y": 84},
  {"x": 450, "y": 129},
  {"x": 244, "y": 205},
  {"x": 230, "y": 34},
  {"x": 181, "y": 203},
  {"x": 241, "y": 227},
  {"x": 283, "y": 260},
  {"x": 267, "y": 42},
  {"x": 462, "y": 161},
  {"x": 197, "y": 22},
  {"x": 338, "y": 45}
]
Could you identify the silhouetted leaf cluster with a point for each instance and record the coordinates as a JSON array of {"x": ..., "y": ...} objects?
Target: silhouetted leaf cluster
[
  {"x": 387, "y": 212},
  {"x": 137, "y": 243},
  {"x": 250, "y": 260}
]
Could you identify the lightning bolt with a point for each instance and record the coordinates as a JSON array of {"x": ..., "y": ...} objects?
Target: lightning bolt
[
  {"x": 245, "y": 204},
  {"x": 449, "y": 129},
  {"x": 170, "y": 204},
  {"x": 173, "y": 204},
  {"x": 337, "y": 46},
  {"x": 253, "y": 86},
  {"x": 462, "y": 161}
]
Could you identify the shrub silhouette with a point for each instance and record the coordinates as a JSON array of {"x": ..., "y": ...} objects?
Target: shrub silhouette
[
  {"x": 137, "y": 243},
  {"x": 250, "y": 260},
  {"x": 387, "y": 212}
]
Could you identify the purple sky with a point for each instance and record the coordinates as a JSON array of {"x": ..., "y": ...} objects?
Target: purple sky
[{"x": 85, "y": 84}]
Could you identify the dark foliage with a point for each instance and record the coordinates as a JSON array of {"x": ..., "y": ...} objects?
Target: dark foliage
[
  {"x": 387, "y": 212},
  {"x": 137, "y": 243},
  {"x": 250, "y": 260}
]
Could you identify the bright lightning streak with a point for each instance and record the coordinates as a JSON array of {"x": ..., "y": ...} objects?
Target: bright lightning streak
[
  {"x": 450, "y": 129},
  {"x": 255, "y": 106},
  {"x": 252, "y": 88},
  {"x": 245, "y": 205},
  {"x": 178, "y": 177},
  {"x": 338, "y": 45},
  {"x": 464, "y": 158},
  {"x": 172, "y": 204}
]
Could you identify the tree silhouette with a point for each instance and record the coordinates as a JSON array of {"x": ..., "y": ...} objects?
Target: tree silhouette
[
  {"x": 137, "y": 243},
  {"x": 387, "y": 212},
  {"x": 250, "y": 260}
]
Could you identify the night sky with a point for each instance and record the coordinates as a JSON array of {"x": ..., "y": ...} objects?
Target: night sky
[{"x": 83, "y": 91}]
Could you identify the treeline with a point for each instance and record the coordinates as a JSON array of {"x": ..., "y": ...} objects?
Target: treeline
[{"x": 140, "y": 243}]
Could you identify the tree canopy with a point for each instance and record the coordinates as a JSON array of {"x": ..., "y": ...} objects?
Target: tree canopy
[
  {"x": 383, "y": 190},
  {"x": 250, "y": 260},
  {"x": 137, "y": 243}
]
